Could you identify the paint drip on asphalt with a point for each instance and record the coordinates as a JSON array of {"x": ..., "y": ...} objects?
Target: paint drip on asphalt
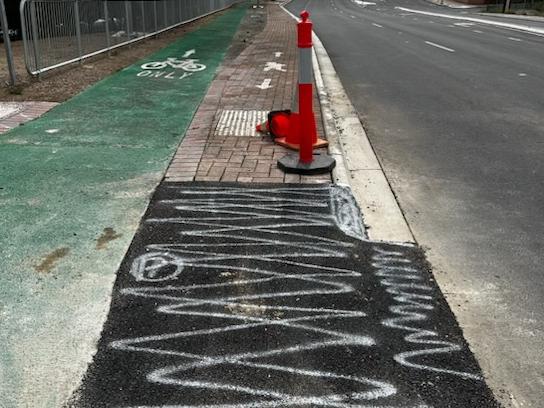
[{"x": 271, "y": 296}]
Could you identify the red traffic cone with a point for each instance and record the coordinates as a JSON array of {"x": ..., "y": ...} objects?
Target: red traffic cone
[{"x": 277, "y": 124}]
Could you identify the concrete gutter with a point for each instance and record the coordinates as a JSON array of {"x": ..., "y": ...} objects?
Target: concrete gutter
[
  {"x": 456, "y": 5},
  {"x": 356, "y": 163},
  {"x": 538, "y": 19}
]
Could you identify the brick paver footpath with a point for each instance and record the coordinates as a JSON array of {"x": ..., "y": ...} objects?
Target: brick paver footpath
[
  {"x": 13, "y": 114},
  {"x": 221, "y": 144}
]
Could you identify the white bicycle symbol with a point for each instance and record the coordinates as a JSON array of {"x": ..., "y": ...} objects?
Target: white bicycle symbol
[{"x": 189, "y": 65}]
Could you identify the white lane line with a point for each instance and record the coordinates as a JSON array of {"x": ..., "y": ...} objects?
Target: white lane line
[
  {"x": 439, "y": 46},
  {"x": 519, "y": 27},
  {"x": 477, "y": 31},
  {"x": 377, "y": 25},
  {"x": 514, "y": 39}
]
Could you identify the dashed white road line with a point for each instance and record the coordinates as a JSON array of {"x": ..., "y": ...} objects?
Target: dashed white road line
[
  {"x": 477, "y": 31},
  {"x": 439, "y": 46},
  {"x": 514, "y": 39},
  {"x": 377, "y": 25}
]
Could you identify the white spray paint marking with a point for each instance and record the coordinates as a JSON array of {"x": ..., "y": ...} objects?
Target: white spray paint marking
[
  {"x": 347, "y": 214},
  {"x": 265, "y": 84},
  {"x": 52, "y": 131},
  {"x": 157, "y": 267},
  {"x": 288, "y": 253},
  {"x": 274, "y": 66},
  {"x": 169, "y": 68},
  {"x": 414, "y": 300},
  {"x": 439, "y": 46},
  {"x": 278, "y": 54}
]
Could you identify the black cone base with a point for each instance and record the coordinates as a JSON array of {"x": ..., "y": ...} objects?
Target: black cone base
[{"x": 321, "y": 163}]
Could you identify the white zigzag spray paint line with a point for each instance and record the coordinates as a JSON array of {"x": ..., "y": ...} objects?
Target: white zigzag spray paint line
[
  {"x": 163, "y": 263},
  {"x": 412, "y": 306}
]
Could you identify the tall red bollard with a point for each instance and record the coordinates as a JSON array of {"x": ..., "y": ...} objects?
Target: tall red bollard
[{"x": 306, "y": 162}]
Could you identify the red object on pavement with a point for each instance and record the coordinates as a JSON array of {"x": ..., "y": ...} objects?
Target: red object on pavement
[{"x": 278, "y": 124}]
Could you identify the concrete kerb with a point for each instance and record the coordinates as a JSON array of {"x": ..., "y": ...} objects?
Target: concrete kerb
[
  {"x": 356, "y": 163},
  {"x": 517, "y": 27}
]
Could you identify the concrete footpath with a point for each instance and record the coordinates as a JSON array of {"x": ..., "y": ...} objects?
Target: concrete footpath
[{"x": 242, "y": 286}]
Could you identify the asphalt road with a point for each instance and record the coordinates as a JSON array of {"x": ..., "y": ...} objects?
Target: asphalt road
[
  {"x": 455, "y": 114},
  {"x": 237, "y": 296}
]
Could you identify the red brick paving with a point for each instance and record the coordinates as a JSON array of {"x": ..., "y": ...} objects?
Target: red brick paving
[
  {"x": 26, "y": 111},
  {"x": 204, "y": 156}
]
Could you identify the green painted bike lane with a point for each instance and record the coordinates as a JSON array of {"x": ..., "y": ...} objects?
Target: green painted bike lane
[{"x": 86, "y": 170}]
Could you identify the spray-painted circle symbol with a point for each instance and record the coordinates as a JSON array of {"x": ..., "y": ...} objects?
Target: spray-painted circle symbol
[{"x": 156, "y": 267}]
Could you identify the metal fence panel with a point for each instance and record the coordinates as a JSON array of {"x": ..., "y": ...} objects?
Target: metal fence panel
[{"x": 60, "y": 32}]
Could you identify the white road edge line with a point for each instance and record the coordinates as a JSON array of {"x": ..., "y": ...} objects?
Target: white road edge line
[
  {"x": 519, "y": 27},
  {"x": 439, "y": 46},
  {"x": 356, "y": 163}
]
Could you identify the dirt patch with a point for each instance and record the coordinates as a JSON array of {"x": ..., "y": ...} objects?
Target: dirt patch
[
  {"x": 64, "y": 83},
  {"x": 108, "y": 235},
  {"x": 50, "y": 260}
]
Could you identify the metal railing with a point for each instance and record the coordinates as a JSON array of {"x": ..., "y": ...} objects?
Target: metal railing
[{"x": 61, "y": 32}]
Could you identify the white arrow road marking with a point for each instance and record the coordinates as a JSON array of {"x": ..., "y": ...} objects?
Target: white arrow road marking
[
  {"x": 188, "y": 53},
  {"x": 266, "y": 84},
  {"x": 439, "y": 46},
  {"x": 274, "y": 65}
]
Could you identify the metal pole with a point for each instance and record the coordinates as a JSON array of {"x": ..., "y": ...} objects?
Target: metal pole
[
  {"x": 164, "y": 13},
  {"x": 107, "y": 18},
  {"x": 35, "y": 35},
  {"x": 156, "y": 18},
  {"x": 7, "y": 44},
  {"x": 143, "y": 17},
  {"x": 128, "y": 15},
  {"x": 78, "y": 29}
]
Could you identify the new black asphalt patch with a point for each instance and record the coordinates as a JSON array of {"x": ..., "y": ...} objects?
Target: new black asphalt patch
[{"x": 270, "y": 296}]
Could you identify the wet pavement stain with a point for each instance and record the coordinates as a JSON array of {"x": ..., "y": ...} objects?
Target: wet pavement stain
[
  {"x": 108, "y": 235},
  {"x": 49, "y": 262}
]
